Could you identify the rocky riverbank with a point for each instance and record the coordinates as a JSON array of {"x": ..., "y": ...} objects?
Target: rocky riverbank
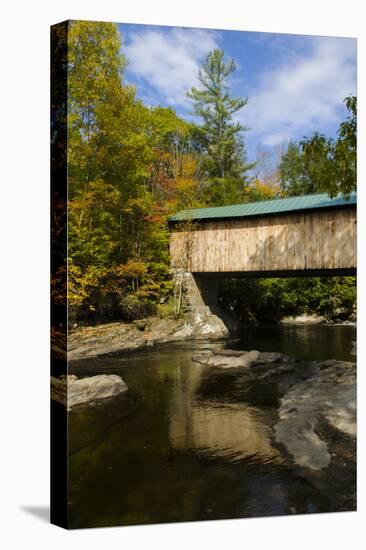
[
  {"x": 314, "y": 319},
  {"x": 86, "y": 342},
  {"x": 93, "y": 341},
  {"x": 303, "y": 320},
  {"x": 315, "y": 427}
]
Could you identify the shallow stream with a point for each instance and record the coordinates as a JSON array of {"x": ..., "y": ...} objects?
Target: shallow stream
[{"x": 188, "y": 442}]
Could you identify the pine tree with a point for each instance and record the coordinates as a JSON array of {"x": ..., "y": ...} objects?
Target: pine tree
[{"x": 222, "y": 137}]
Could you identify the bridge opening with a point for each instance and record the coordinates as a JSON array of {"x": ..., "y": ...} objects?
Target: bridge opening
[{"x": 241, "y": 299}]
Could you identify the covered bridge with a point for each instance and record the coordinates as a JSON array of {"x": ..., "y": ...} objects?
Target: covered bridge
[{"x": 295, "y": 236}]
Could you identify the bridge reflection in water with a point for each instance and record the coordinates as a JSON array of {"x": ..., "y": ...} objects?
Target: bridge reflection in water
[{"x": 221, "y": 429}]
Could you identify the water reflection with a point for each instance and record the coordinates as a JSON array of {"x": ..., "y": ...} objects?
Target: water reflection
[
  {"x": 186, "y": 442},
  {"x": 232, "y": 431},
  {"x": 304, "y": 342}
]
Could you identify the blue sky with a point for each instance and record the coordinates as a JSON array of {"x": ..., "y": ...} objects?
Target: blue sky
[{"x": 295, "y": 84}]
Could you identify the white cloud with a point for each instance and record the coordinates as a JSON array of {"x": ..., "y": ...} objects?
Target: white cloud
[
  {"x": 301, "y": 92},
  {"x": 169, "y": 60},
  {"x": 304, "y": 93}
]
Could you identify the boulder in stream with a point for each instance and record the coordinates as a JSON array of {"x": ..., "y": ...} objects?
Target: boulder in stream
[
  {"x": 70, "y": 390},
  {"x": 229, "y": 359},
  {"x": 327, "y": 398},
  {"x": 314, "y": 424}
]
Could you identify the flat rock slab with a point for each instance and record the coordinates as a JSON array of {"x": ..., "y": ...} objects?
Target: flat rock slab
[
  {"x": 329, "y": 396},
  {"x": 85, "y": 342},
  {"x": 232, "y": 359},
  {"x": 71, "y": 391},
  {"x": 303, "y": 320}
]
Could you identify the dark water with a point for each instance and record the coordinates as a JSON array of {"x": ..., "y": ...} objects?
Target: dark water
[{"x": 187, "y": 442}]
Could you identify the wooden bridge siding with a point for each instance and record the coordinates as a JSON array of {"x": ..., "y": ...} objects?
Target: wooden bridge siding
[{"x": 314, "y": 240}]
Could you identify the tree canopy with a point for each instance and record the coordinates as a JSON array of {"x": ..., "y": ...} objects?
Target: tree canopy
[
  {"x": 130, "y": 166},
  {"x": 323, "y": 164}
]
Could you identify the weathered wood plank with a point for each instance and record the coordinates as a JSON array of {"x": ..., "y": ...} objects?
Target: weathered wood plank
[{"x": 314, "y": 240}]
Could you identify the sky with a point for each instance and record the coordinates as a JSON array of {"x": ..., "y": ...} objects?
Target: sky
[{"x": 295, "y": 84}]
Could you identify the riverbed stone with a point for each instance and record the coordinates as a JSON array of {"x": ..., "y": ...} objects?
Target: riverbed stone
[
  {"x": 329, "y": 396},
  {"x": 303, "y": 319},
  {"x": 228, "y": 352},
  {"x": 272, "y": 357},
  {"x": 243, "y": 359},
  {"x": 229, "y": 360},
  {"x": 318, "y": 400},
  {"x": 71, "y": 391}
]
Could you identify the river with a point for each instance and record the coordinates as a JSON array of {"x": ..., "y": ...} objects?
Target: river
[{"x": 188, "y": 443}]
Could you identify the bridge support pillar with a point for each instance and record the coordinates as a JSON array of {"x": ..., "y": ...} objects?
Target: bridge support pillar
[
  {"x": 199, "y": 293},
  {"x": 208, "y": 290},
  {"x": 200, "y": 301}
]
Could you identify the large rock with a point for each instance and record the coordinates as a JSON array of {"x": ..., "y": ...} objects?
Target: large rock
[
  {"x": 327, "y": 398},
  {"x": 303, "y": 320},
  {"x": 243, "y": 359},
  {"x": 86, "y": 342},
  {"x": 71, "y": 391},
  {"x": 314, "y": 425}
]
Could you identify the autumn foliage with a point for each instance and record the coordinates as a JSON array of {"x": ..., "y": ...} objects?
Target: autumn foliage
[{"x": 130, "y": 166}]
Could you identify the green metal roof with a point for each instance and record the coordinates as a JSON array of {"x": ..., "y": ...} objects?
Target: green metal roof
[{"x": 266, "y": 207}]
